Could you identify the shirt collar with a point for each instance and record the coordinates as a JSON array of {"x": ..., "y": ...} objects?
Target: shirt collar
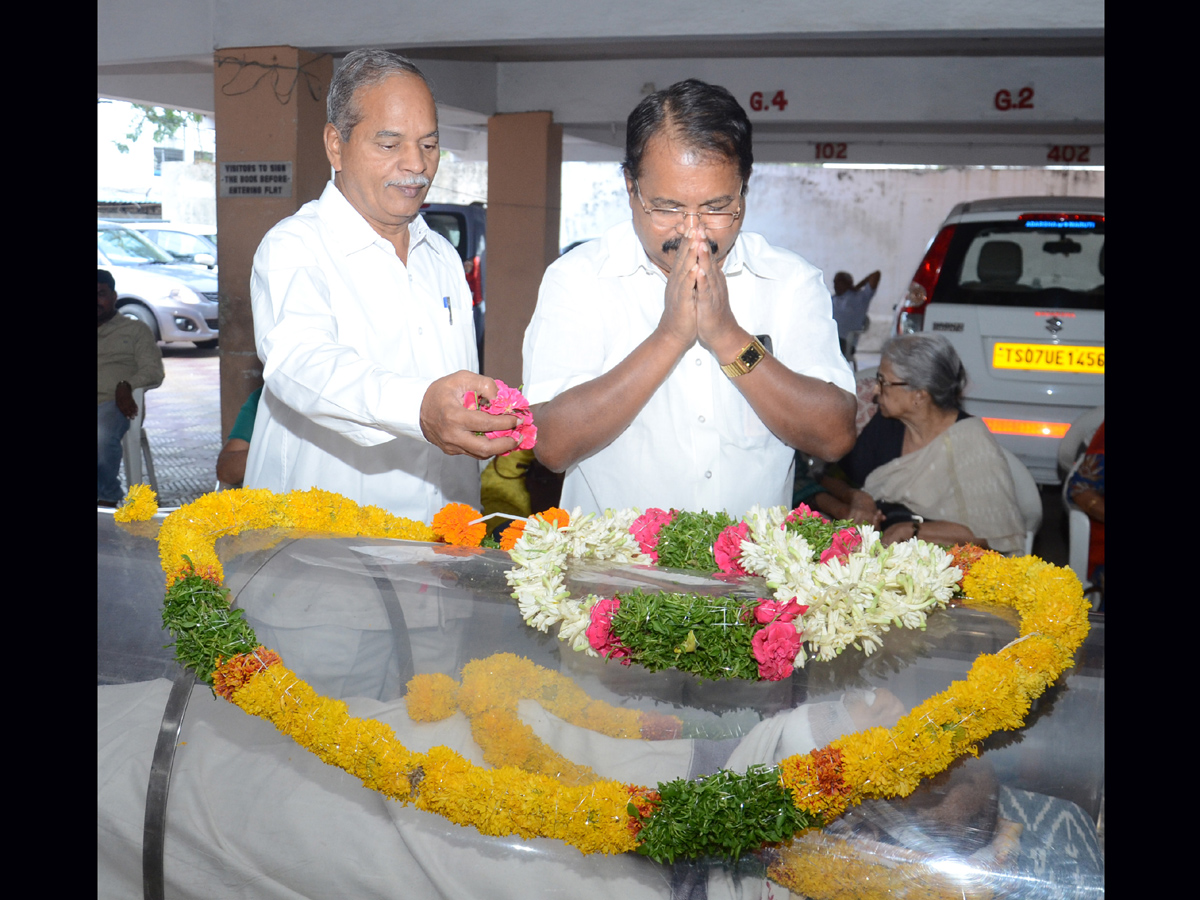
[{"x": 350, "y": 232}]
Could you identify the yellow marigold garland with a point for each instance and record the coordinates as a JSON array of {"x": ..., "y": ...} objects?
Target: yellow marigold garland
[
  {"x": 488, "y": 695},
  {"x": 995, "y": 696},
  {"x": 431, "y": 697},
  {"x": 502, "y": 801},
  {"x": 819, "y": 865},
  {"x": 876, "y": 762},
  {"x": 140, "y": 505},
  {"x": 193, "y": 530}
]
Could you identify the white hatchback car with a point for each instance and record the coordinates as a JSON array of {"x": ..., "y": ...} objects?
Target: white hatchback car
[{"x": 1017, "y": 285}]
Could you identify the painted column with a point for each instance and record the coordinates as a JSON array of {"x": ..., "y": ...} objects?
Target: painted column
[
  {"x": 524, "y": 204},
  {"x": 270, "y": 115}
]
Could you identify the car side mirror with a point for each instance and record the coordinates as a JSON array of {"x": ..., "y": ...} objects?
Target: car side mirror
[{"x": 205, "y": 259}]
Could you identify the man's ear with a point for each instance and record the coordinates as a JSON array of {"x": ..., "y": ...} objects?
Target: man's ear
[{"x": 333, "y": 146}]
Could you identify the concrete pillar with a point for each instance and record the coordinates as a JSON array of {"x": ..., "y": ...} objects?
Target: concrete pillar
[
  {"x": 524, "y": 204},
  {"x": 270, "y": 107}
]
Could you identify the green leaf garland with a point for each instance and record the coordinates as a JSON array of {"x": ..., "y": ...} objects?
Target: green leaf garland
[{"x": 691, "y": 632}]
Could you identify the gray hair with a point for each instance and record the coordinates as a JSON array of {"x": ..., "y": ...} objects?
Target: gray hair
[
  {"x": 362, "y": 68},
  {"x": 928, "y": 362}
]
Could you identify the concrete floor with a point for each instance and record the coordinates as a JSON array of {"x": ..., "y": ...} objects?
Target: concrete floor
[{"x": 183, "y": 422}]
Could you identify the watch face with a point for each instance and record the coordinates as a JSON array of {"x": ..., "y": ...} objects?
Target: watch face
[{"x": 751, "y": 355}]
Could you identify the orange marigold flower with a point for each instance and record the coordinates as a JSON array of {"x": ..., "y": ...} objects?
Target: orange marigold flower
[
  {"x": 559, "y": 517},
  {"x": 966, "y": 555},
  {"x": 452, "y": 524},
  {"x": 510, "y": 535},
  {"x": 659, "y": 727},
  {"x": 646, "y": 802},
  {"x": 232, "y": 673}
]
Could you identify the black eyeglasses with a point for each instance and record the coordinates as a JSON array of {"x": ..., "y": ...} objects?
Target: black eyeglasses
[
  {"x": 882, "y": 384},
  {"x": 671, "y": 218}
]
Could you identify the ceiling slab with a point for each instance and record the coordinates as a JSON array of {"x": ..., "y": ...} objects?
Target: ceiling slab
[{"x": 917, "y": 81}]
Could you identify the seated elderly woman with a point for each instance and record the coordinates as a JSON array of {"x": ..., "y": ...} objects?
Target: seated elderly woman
[{"x": 921, "y": 454}]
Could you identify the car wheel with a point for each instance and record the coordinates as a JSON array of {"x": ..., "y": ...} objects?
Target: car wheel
[
  {"x": 143, "y": 315},
  {"x": 207, "y": 345}
]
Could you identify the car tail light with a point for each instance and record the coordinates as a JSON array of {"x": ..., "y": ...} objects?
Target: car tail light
[
  {"x": 471, "y": 270},
  {"x": 1025, "y": 427},
  {"x": 920, "y": 292}
]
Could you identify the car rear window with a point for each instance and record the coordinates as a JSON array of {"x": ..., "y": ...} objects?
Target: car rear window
[
  {"x": 451, "y": 226},
  {"x": 1018, "y": 263}
]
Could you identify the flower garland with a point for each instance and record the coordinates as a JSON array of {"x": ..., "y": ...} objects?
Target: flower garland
[
  {"x": 488, "y": 696},
  {"x": 833, "y": 586},
  {"x": 606, "y": 816}
]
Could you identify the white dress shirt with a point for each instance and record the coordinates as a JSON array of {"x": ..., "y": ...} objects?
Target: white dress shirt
[
  {"x": 350, "y": 339},
  {"x": 697, "y": 444}
]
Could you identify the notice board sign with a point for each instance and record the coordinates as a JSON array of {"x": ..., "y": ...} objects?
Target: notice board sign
[{"x": 255, "y": 179}]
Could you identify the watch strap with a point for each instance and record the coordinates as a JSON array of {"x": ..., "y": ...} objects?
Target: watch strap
[{"x": 749, "y": 357}]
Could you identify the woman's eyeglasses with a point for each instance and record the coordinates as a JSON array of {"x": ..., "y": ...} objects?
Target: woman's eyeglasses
[{"x": 882, "y": 384}]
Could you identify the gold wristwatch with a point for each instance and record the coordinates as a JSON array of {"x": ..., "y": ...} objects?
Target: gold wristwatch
[{"x": 749, "y": 357}]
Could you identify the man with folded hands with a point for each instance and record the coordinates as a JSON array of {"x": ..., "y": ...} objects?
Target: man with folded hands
[{"x": 679, "y": 361}]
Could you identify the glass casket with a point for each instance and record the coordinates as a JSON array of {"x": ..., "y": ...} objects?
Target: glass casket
[{"x": 197, "y": 799}]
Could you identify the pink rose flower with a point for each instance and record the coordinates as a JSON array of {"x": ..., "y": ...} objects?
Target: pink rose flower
[
  {"x": 728, "y": 548},
  {"x": 645, "y": 529},
  {"x": 775, "y": 648},
  {"x": 803, "y": 511},
  {"x": 773, "y": 610},
  {"x": 509, "y": 402},
  {"x": 844, "y": 543},
  {"x": 600, "y": 635}
]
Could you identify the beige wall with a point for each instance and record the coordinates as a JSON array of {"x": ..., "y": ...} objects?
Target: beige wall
[{"x": 859, "y": 220}]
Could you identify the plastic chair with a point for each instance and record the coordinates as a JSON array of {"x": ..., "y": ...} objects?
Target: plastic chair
[
  {"x": 135, "y": 448},
  {"x": 1029, "y": 498},
  {"x": 1078, "y": 436}
]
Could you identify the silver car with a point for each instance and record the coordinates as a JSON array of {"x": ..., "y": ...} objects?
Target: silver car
[
  {"x": 196, "y": 244},
  {"x": 176, "y": 301},
  {"x": 1017, "y": 285}
]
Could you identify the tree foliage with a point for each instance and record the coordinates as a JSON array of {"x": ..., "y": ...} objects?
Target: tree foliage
[{"x": 166, "y": 122}]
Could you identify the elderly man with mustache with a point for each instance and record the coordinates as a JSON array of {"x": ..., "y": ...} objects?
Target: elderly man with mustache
[{"x": 362, "y": 317}]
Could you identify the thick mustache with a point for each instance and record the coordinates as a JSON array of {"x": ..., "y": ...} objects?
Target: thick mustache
[
  {"x": 419, "y": 180},
  {"x": 673, "y": 244}
]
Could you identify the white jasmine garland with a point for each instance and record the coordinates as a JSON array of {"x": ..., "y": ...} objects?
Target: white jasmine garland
[{"x": 850, "y": 603}]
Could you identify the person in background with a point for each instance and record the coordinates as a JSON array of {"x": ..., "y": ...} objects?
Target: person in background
[
  {"x": 922, "y": 456},
  {"x": 850, "y": 304},
  {"x": 127, "y": 357},
  {"x": 362, "y": 317},
  {"x": 678, "y": 361},
  {"x": 1086, "y": 490},
  {"x": 231, "y": 462}
]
